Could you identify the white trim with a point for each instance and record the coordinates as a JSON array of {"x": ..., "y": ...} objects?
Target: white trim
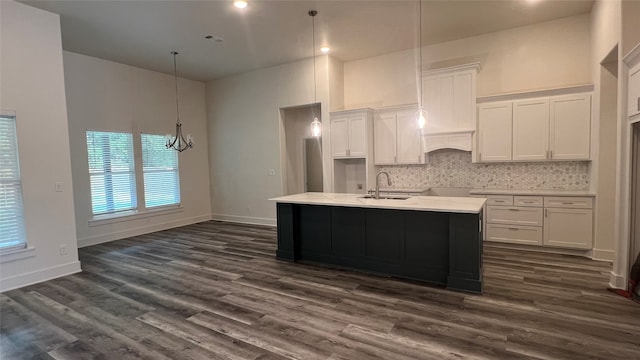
[
  {"x": 244, "y": 219},
  {"x": 41, "y": 275},
  {"x": 436, "y": 71},
  {"x": 17, "y": 254},
  {"x": 617, "y": 281},
  {"x": 584, "y": 88},
  {"x": 349, "y": 111},
  {"x": 604, "y": 255},
  {"x": 99, "y": 239},
  {"x": 131, "y": 215},
  {"x": 630, "y": 58}
]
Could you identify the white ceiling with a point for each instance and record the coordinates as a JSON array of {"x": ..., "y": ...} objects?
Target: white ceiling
[{"x": 269, "y": 32}]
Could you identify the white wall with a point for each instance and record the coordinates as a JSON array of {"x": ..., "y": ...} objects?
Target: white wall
[
  {"x": 108, "y": 96},
  {"x": 630, "y": 12},
  {"x": 243, "y": 113},
  {"x": 546, "y": 55},
  {"x": 32, "y": 85},
  {"x": 605, "y": 35}
]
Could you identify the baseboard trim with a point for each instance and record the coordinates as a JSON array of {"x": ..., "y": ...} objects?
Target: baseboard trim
[
  {"x": 103, "y": 238},
  {"x": 604, "y": 255},
  {"x": 617, "y": 281},
  {"x": 38, "y": 276},
  {"x": 244, "y": 219},
  {"x": 541, "y": 249}
]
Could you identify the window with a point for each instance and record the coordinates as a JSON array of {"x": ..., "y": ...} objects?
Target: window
[
  {"x": 111, "y": 172},
  {"x": 11, "y": 212},
  {"x": 160, "y": 170}
]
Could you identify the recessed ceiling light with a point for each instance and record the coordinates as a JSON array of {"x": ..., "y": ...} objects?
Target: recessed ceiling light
[
  {"x": 215, "y": 38},
  {"x": 325, "y": 49},
  {"x": 240, "y": 4}
]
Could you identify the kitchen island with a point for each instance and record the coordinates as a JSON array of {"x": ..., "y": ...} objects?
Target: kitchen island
[{"x": 432, "y": 239}]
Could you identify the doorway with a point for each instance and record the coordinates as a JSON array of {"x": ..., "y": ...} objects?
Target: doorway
[
  {"x": 313, "y": 164},
  {"x": 301, "y": 153},
  {"x": 635, "y": 194}
]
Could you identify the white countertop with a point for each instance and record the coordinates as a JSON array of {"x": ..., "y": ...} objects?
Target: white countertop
[
  {"x": 531, "y": 192},
  {"x": 419, "y": 203}
]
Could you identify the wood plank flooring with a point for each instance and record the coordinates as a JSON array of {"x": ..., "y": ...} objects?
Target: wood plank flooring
[{"x": 215, "y": 291}]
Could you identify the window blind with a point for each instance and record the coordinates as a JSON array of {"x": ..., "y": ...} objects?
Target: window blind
[
  {"x": 160, "y": 171},
  {"x": 12, "y": 233},
  {"x": 111, "y": 172}
]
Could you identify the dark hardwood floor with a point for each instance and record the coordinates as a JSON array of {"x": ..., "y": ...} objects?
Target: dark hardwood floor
[{"x": 215, "y": 291}]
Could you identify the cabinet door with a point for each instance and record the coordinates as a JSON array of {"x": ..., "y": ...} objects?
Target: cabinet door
[
  {"x": 357, "y": 136},
  {"x": 339, "y": 137},
  {"x": 494, "y": 131},
  {"x": 531, "y": 129},
  {"x": 408, "y": 143},
  {"x": 464, "y": 101},
  {"x": 384, "y": 134},
  {"x": 431, "y": 103},
  {"x": 634, "y": 91},
  {"x": 445, "y": 119},
  {"x": 568, "y": 228},
  {"x": 570, "y": 127}
]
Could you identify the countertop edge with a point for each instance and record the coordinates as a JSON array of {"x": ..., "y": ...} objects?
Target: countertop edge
[{"x": 572, "y": 193}]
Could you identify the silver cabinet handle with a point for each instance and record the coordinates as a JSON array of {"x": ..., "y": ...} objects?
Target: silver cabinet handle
[
  {"x": 567, "y": 203},
  {"x": 550, "y": 154},
  {"x": 480, "y": 154},
  {"x": 395, "y": 158},
  {"x": 546, "y": 212},
  {"x": 513, "y": 229},
  {"x": 528, "y": 202},
  {"x": 514, "y": 209}
]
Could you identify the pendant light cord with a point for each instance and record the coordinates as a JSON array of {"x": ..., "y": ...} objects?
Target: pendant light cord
[
  {"x": 175, "y": 76},
  {"x": 420, "y": 53},
  {"x": 313, "y": 30}
]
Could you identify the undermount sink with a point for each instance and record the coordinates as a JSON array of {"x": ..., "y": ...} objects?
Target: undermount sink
[{"x": 387, "y": 197}]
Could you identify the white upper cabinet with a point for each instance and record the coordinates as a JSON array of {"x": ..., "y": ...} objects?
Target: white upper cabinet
[
  {"x": 339, "y": 136},
  {"x": 531, "y": 129},
  {"x": 570, "y": 127},
  {"x": 358, "y": 135},
  {"x": 384, "y": 138},
  {"x": 449, "y": 97},
  {"x": 408, "y": 136},
  {"x": 634, "y": 91},
  {"x": 349, "y": 134},
  {"x": 494, "y": 131},
  {"x": 396, "y": 137},
  {"x": 545, "y": 128}
]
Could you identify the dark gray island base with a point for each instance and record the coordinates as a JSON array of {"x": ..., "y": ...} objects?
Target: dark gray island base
[{"x": 442, "y": 248}]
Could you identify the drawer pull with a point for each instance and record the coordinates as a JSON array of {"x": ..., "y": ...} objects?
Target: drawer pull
[
  {"x": 498, "y": 200},
  {"x": 567, "y": 203},
  {"x": 516, "y": 229},
  {"x": 529, "y": 202},
  {"x": 513, "y": 209}
]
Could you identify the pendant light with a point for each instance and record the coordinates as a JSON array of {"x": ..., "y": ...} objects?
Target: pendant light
[
  {"x": 422, "y": 113},
  {"x": 178, "y": 142},
  {"x": 316, "y": 125}
]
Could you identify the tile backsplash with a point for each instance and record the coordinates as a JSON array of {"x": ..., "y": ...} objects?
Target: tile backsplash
[{"x": 453, "y": 168}]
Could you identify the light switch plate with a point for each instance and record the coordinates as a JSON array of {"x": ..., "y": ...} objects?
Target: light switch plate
[{"x": 59, "y": 187}]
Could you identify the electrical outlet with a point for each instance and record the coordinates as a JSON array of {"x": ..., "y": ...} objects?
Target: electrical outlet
[
  {"x": 62, "y": 249},
  {"x": 271, "y": 172},
  {"x": 59, "y": 187}
]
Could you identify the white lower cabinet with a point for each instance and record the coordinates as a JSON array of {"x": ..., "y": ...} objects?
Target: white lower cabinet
[
  {"x": 517, "y": 234},
  {"x": 554, "y": 221},
  {"x": 568, "y": 228}
]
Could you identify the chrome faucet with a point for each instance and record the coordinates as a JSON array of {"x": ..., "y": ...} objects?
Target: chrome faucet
[{"x": 377, "y": 196}]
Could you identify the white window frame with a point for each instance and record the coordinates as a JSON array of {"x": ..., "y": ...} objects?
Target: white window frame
[{"x": 20, "y": 244}]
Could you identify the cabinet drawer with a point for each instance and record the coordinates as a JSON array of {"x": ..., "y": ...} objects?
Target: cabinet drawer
[
  {"x": 568, "y": 202},
  {"x": 500, "y": 200},
  {"x": 535, "y": 201},
  {"x": 514, "y": 215},
  {"x": 531, "y": 235}
]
